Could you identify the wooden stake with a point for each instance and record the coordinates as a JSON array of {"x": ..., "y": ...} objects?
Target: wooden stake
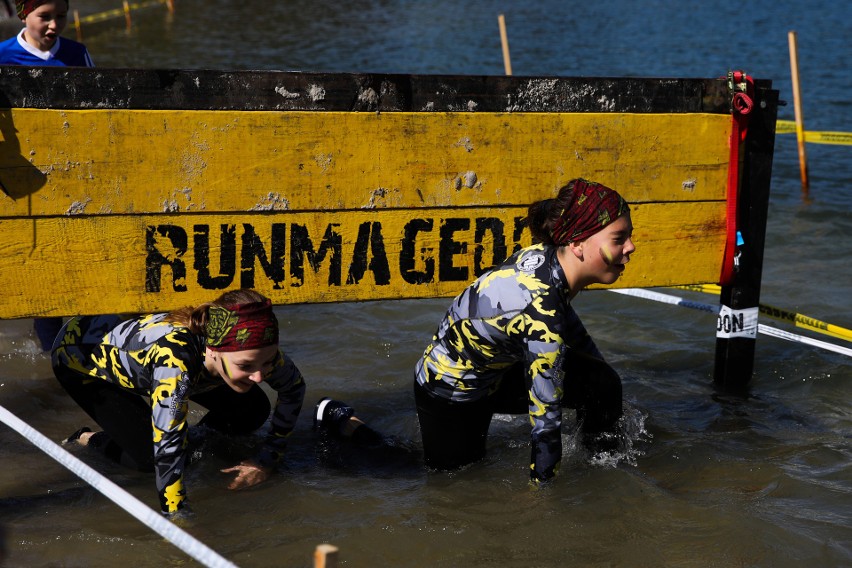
[
  {"x": 507, "y": 61},
  {"x": 800, "y": 122},
  {"x": 127, "y": 14},
  {"x": 325, "y": 556},
  {"x": 77, "y": 26}
]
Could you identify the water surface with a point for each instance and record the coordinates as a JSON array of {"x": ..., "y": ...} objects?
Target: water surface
[{"x": 710, "y": 479}]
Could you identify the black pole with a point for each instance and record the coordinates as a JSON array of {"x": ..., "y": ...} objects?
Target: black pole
[{"x": 737, "y": 325}]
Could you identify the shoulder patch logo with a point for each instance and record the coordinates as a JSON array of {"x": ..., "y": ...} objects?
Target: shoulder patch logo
[{"x": 530, "y": 262}]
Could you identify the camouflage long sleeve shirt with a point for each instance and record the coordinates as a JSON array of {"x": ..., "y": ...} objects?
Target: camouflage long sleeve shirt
[
  {"x": 164, "y": 363},
  {"x": 516, "y": 312}
]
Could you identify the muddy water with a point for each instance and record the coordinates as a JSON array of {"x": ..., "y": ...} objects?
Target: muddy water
[{"x": 704, "y": 478}]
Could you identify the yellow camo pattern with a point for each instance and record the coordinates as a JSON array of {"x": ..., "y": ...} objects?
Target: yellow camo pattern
[
  {"x": 526, "y": 302},
  {"x": 174, "y": 495},
  {"x": 166, "y": 367},
  {"x": 163, "y": 392}
]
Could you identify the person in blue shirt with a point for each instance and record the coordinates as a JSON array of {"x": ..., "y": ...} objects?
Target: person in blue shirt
[{"x": 38, "y": 43}]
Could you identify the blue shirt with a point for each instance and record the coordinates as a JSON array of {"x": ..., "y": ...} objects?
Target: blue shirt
[{"x": 64, "y": 53}]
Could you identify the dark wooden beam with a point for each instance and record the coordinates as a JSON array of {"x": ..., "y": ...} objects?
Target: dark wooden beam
[{"x": 48, "y": 87}]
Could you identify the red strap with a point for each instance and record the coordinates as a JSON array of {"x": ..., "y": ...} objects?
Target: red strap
[{"x": 742, "y": 87}]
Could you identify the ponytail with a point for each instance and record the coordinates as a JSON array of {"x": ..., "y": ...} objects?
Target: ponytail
[
  {"x": 541, "y": 216},
  {"x": 196, "y": 318}
]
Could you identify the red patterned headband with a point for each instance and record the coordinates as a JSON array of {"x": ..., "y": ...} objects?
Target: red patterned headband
[
  {"x": 241, "y": 327},
  {"x": 26, "y": 6},
  {"x": 590, "y": 207}
]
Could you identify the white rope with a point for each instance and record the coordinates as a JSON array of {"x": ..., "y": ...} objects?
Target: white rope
[
  {"x": 154, "y": 520},
  {"x": 781, "y": 334},
  {"x": 666, "y": 299},
  {"x": 764, "y": 329}
]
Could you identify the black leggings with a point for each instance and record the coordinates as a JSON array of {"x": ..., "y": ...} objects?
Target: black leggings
[
  {"x": 454, "y": 433},
  {"x": 125, "y": 416}
]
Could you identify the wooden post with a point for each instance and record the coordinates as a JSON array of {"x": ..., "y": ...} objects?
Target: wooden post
[
  {"x": 507, "y": 61},
  {"x": 171, "y": 5},
  {"x": 325, "y": 556},
  {"x": 77, "y": 26},
  {"x": 736, "y": 331},
  {"x": 800, "y": 121},
  {"x": 127, "y": 14}
]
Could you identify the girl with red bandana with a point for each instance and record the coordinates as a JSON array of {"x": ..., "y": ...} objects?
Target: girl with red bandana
[
  {"x": 135, "y": 378},
  {"x": 511, "y": 342},
  {"x": 38, "y": 43}
]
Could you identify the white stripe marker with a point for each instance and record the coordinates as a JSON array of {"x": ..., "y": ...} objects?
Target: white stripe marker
[
  {"x": 764, "y": 329},
  {"x": 154, "y": 520}
]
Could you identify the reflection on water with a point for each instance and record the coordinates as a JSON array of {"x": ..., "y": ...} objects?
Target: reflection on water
[{"x": 703, "y": 478}]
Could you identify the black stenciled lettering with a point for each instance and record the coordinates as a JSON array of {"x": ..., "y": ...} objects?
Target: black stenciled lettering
[
  {"x": 448, "y": 249},
  {"x": 498, "y": 252},
  {"x": 729, "y": 323},
  {"x": 301, "y": 246},
  {"x": 158, "y": 257},
  {"x": 737, "y": 323},
  {"x": 227, "y": 256},
  {"x": 369, "y": 240},
  {"x": 252, "y": 249},
  {"x": 407, "y": 253},
  {"x": 520, "y": 225}
]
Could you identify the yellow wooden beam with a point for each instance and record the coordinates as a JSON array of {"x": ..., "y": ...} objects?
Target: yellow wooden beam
[
  {"x": 118, "y": 161},
  {"x": 64, "y": 265},
  {"x": 132, "y": 210}
]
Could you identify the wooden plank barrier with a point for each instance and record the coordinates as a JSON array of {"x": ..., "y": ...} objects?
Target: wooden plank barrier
[{"x": 143, "y": 190}]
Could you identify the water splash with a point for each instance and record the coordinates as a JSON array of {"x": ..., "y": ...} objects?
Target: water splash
[
  {"x": 17, "y": 348},
  {"x": 621, "y": 447}
]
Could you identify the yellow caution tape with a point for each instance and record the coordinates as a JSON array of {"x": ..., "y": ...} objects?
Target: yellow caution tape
[
  {"x": 772, "y": 312},
  {"x": 785, "y": 127},
  {"x": 118, "y": 12},
  {"x": 789, "y": 127},
  {"x": 844, "y": 138},
  {"x": 706, "y": 288}
]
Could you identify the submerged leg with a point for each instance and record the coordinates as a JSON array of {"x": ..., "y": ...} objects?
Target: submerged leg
[
  {"x": 233, "y": 413},
  {"x": 336, "y": 421},
  {"x": 454, "y": 434},
  {"x": 124, "y": 416}
]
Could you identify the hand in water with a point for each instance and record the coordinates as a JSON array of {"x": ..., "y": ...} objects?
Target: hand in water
[{"x": 248, "y": 475}]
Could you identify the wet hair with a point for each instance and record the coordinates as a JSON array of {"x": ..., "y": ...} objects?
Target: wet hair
[{"x": 196, "y": 318}]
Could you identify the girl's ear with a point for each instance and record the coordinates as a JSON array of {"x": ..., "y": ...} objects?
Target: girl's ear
[{"x": 576, "y": 249}]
